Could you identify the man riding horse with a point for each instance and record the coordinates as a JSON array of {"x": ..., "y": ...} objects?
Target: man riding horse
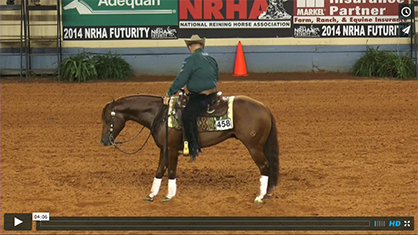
[{"x": 200, "y": 75}]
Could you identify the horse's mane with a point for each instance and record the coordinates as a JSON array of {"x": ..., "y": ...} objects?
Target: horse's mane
[
  {"x": 104, "y": 109},
  {"x": 129, "y": 97},
  {"x": 136, "y": 96}
]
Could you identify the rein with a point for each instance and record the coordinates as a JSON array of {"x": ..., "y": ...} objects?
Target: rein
[
  {"x": 137, "y": 134},
  {"x": 115, "y": 144}
]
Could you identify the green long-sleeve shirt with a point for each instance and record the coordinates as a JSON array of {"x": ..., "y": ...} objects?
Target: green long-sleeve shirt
[{"x": 199, "y": 73}]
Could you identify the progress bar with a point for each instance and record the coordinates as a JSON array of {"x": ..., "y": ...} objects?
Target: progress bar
[{"x": 225, "y": 223}]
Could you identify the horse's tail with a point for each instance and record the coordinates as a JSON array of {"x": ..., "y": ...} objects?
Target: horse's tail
[{"x": 271, "y": 151}]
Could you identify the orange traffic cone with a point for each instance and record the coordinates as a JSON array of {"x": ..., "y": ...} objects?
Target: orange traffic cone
[{"x": 240, "y": 67}]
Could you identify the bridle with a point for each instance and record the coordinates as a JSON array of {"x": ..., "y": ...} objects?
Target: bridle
[{"x": 115, "y": 144}]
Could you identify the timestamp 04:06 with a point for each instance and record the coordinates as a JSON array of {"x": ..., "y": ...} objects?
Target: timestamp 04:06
[{"x": 40, "y": 216}]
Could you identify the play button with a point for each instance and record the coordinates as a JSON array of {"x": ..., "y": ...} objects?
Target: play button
[{"x": 18, "y": 221}]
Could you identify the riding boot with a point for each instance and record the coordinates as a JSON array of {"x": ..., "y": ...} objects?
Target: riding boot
[{"x": 194, "y": 153}]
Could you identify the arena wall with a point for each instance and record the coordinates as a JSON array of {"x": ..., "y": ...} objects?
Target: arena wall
[
  {"x": 265, "y": 57},
  {"x": 164, "y": 57},
  {"x": 259, "y": 58}
]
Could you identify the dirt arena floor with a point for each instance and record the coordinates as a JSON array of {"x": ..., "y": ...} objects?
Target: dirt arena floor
[{"x": 348, "y": 147}]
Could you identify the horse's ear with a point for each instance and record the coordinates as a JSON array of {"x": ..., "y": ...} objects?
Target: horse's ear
[{"x": 113, "y": 99}]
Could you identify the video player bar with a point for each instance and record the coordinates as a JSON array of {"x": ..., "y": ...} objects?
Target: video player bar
[{"x": 225, "y": 223}]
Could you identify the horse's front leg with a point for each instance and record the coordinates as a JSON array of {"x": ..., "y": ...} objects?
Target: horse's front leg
[
  {"x": 172, "y": 170},
  {"x": 156, "y": 184}
]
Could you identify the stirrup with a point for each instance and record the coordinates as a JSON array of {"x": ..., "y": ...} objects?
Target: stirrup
[{"x": 186, "y": 148}]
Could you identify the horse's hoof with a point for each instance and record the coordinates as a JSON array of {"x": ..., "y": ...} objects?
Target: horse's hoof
[
  {"x": 167, "y": 199},
  {"x": 258, "y": 201},
  {"x": 149, "y": 199}
]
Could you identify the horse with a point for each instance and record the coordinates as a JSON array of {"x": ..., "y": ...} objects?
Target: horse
[{"x": 253, "y": 124}]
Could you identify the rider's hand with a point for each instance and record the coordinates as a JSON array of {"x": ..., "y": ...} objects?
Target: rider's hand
[{"x": 166, "y": 99}]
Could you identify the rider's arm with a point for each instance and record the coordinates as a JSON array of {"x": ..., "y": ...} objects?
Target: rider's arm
[{"x": 182, "y": 77}]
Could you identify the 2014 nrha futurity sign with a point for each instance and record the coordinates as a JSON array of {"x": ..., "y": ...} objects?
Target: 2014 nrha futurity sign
[{"x": 119, "y": 19}]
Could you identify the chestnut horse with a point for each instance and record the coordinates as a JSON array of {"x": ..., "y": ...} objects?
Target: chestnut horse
[{"x": 253, "y": 125}]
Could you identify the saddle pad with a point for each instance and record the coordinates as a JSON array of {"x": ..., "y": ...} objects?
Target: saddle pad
[{"x": 204, "y": 124}]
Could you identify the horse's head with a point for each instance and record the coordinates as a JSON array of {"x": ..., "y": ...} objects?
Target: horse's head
[{"x": 113, "y": 123}]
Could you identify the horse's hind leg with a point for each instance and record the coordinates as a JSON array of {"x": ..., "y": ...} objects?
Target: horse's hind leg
[{"x": 259, "y": 158}]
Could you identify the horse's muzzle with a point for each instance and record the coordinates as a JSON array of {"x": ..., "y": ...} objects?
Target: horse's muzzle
[{"x": 105, "y": 142}]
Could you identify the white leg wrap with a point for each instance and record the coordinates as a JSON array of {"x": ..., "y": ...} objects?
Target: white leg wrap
[
  {"x": 172, "y": 188},
  {"x": 263, "y": 186},
  {"x": 155, "y": 187}
]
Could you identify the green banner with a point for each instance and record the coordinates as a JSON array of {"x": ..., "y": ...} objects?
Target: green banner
[{"x": 90, "y": 13}]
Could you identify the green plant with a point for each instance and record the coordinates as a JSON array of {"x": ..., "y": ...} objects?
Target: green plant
[
  {"x": 377, "y": 63},
  {"x": 112, "y": 67},
  {"x": 397, "y": 66},
  {"x": 78, "y": 68},
  {"x": 369, "y": 63}
]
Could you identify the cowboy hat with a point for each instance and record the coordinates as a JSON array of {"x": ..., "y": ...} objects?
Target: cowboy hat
[{"x": 195, "y": 39}]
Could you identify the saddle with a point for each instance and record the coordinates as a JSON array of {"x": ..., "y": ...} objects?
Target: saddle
[
  {"x": 216, "y": 105},
  {"x": 217, "y": 116}
]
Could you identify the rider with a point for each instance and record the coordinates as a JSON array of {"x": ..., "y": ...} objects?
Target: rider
[{"x": 200, "y": 74}]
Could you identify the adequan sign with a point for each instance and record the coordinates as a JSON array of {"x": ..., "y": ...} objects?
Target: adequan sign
[{"x": 119, "y": 19}]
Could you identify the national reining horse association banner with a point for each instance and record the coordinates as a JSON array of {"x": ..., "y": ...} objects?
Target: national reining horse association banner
[{"x": 235, "y": 18}]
